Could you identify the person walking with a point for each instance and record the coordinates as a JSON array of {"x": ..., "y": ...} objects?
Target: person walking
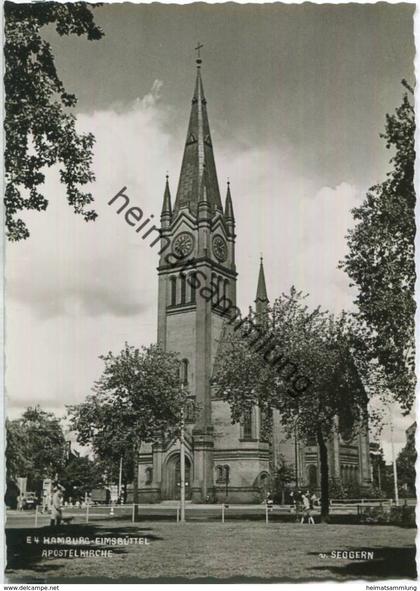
[
  {"x": 298, "y": 505},
  {"x": 307, "y": 508},
  {"x": 56, "y": 505}
]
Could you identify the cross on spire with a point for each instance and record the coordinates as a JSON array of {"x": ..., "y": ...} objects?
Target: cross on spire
[{"x": 197, "y": 49}]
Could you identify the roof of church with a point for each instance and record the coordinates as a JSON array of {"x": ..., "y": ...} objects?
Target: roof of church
[
  {"x": 261, "y": 288},
  {"x": 197, "y": 153}
]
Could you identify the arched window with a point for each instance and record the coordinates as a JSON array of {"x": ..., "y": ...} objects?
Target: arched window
[
  {"x": 219, "y": 474},
  {"x": 220, "y": 294},
  {"x": 183, "y": 372},
  {"x": 226, "y": 473},
  {"x": 312, "y": 476},
  {"x": 247, "y": 424},
  {"x": 225, "y": 292},
  {"x": 173, "y": 290},
  {"x": 149, "y": 475},
  {"x": 190, "y": 411},
  {"x": 214, "y": 288},
  {"x": 183, "y": 288}
]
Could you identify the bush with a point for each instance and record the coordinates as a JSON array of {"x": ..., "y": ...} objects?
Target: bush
[{"x": 404, "y": 516}]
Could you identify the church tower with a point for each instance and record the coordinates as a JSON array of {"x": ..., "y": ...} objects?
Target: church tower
[{"x": 196, "y": 272}]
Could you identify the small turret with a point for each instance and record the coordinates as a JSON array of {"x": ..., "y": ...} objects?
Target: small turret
[
  {"x": 261, "y": 300},
  {"x": 166, "y": 214},
  {"x": 229, "y": 217}
]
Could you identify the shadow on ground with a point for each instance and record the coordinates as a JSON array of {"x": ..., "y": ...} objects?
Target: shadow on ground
[
  {"x": 22, "y": 555},
  {"x": 387, "y": 563}
]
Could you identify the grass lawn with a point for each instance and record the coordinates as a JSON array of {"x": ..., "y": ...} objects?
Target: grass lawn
[{"x": 240, "y": 551}]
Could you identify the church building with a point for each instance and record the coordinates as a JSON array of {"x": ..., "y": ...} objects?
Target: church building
[{"x": 223, "y": 460}]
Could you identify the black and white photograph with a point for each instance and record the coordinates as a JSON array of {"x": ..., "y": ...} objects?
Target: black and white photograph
[{"x": 209, "y": 293}]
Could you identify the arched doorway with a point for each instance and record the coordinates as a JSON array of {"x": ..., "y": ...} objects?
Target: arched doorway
[
  {"x": 173, "y": 478},
  {"x": 312, "y": 477}
]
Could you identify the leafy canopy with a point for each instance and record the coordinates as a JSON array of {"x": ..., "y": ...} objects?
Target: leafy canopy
[
  {"x": 137, "y": 399},
  {"x": 320, "y": 347},
  {"x": 36, "y": 445},
  {"x": 380, "y": 260},
  {"x": 39, "y": 129}
]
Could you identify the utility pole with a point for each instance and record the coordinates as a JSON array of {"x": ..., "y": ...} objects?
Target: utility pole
[{"x": 182, "y": 466}]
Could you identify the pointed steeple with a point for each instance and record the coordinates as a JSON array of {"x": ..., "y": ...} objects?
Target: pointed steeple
[
  {"x": 198, "y": 151},
  {"x": 261, "y": 299},
  {"x": 229, "y": 217},
  {"x": 166, "y": 213}
]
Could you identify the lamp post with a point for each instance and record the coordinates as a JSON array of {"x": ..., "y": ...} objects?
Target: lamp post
[
  {"x": 182, "y": 463},
  {"x": 120, "y": 479}
]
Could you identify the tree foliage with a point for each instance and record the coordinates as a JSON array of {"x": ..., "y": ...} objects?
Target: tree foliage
[
  {"x": 380, "y": 260},
  {"x": 35, "y": 446},
  {"x": 39, "y": 129},
  {"x": 137, "y": 399},
  {"x": 320, "y": 346},
  {"x": 79, "y": 476}
]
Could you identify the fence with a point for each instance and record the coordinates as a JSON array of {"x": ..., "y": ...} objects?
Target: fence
[
  {"x": 91, "y": 513},
  {"x": 222, "y": 512}
]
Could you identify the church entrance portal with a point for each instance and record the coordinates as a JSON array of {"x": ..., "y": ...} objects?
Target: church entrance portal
[{"x": 173, "y": 478}]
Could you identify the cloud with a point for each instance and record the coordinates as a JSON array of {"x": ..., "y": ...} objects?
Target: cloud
[{"x": 76, "y": 290}]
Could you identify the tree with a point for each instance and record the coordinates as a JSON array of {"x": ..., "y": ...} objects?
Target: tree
[
  {"x": 137, "y": 399},
  {"x": 39, "y": 129},
  {"x": 380, "y": 260},
  {"x": 79, "y": 476},
  {"x": 18, "y": 462},
  {"x": 36, "y": 446},
  {"x": 406, "y": 466},
  {"x": 313, "y": 344}
]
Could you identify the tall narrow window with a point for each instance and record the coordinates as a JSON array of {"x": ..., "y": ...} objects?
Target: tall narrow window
[
  {"x": 149, "y": 475},
  {"x": 184, "y": 372},
  {"x": 173, "y": 291},
  {"x": 193, "y": 283},
  {"x": 225, "y": 292},
  {"x": 183, "y": 288},
  {"x": 226, "y": 473},
  {"x": 219, "y": 300},
  {"x": 248, "y": 425},
  {"x": 214, "y": 288}
]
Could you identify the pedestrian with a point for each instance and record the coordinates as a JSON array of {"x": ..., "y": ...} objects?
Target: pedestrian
[
  {"x": 298, "y": 504},
  {"x": 307, "y": 509},
  {"x": 56, "y": 505},
  {"x": 269, "y": 502}
]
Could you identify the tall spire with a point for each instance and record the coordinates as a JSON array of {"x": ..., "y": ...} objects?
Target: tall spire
[
  {"x": 198, "y": 151},
  {"x": 261, "y": 299}
]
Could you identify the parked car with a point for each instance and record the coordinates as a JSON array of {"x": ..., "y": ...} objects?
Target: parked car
[{"x": 29, "y": 501}]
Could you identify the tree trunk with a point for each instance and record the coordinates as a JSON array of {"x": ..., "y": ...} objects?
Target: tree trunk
[
  {"x": 323, "y": 456},
  {"x": 136, "y": 451}
]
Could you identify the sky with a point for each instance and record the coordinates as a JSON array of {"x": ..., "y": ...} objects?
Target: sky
[{"x": 296, "y": 96}]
